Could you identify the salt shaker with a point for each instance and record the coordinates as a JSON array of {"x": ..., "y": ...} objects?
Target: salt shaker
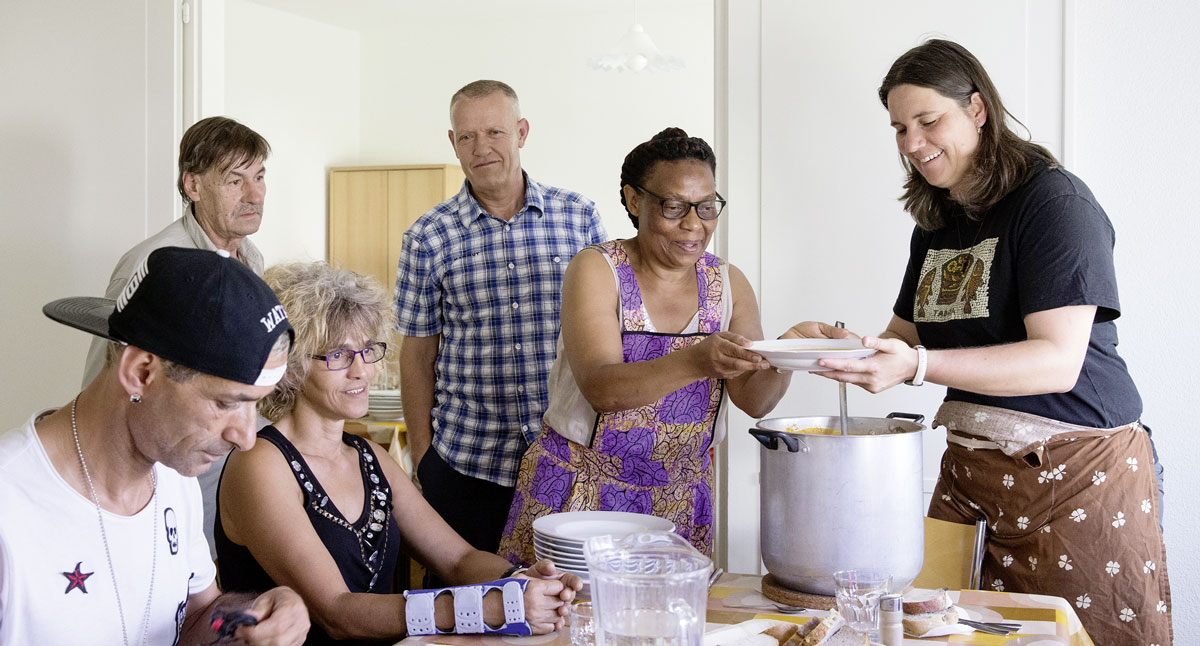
[{"x": 891, "y": 620}]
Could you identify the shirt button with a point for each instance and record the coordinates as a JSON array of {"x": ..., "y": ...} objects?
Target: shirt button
[
  {"x": 524, "y": 427},
  {"x": 557, "y": 259},
  {"x": 511, "y": 266},
  {"x": 520, "y": 389},
  {"x": 507, "y": 227},
  {"x": 515, "y": 306},
  {"x": 517, "y": 346}
]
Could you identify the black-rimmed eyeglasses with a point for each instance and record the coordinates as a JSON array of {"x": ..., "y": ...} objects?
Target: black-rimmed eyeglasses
[
  {"x": 341, "y": 359},
  {"x": 674, "y": 209}
]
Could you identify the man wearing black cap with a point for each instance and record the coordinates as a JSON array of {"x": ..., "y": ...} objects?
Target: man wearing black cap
[{"x": 100, "y": 536}]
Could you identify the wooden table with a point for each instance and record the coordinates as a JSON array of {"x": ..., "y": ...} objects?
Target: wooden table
[{"x": 1045, "y": 621}]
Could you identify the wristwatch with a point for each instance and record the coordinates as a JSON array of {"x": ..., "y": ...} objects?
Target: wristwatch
[
  {"x": 922, "y": 362},
  {"x": 513, "y": 571}
]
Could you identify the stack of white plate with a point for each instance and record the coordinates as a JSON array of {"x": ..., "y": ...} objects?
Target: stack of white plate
[
  {"x": 560, "y": 537},
  {"x": 385, "y": 405}
]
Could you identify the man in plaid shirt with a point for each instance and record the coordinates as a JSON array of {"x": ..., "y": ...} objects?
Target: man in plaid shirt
[{"x": 477, "y": 296}]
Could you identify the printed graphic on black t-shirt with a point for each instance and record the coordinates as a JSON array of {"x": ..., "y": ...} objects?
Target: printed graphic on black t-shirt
[{"x": 954, "y": 284}]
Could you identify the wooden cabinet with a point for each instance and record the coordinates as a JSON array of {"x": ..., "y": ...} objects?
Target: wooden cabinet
[{"x": 370, "y": 208}]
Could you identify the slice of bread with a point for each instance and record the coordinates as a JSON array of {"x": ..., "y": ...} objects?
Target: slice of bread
[
  {"x": 818, "y": 630},
  {"x": 782, "y": 631},
  {"x": 847, "y": 636},
  {"x": 756, "y": 632},
  {"x": 922, "y": 623},
  {"x": 919, "y": 602}
]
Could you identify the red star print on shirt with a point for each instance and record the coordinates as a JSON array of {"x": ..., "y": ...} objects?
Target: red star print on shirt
[{"x": 77, "y": 579}]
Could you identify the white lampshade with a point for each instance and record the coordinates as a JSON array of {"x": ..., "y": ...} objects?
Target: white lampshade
[{"x": 636, "y": 53}]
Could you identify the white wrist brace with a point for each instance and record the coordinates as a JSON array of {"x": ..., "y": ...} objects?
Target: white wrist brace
[{"x": 468, "y": 609}]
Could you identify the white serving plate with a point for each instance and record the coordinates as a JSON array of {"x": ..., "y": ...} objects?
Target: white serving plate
[
  {"x": 558, "y": 543},
  {"x": 560, "y": 561},
  {"x": 578, "y": 526},
  {"x": 548, "y": 548},
  {"x": 803, "y": 354},
  {"x": 574, "y": 549}
]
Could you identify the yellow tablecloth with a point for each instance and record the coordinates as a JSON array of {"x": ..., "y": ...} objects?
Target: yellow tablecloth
[{"x": 1045, "y": 621}]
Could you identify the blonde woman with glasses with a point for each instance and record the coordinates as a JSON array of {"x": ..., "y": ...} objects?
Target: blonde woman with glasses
[{"x": 331, "y": 514}]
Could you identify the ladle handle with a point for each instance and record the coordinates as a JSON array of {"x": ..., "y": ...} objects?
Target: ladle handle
[{"x": 842, "y": 397}]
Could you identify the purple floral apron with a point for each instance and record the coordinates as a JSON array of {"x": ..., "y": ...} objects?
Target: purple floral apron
[{"x": 650, "y": 460}]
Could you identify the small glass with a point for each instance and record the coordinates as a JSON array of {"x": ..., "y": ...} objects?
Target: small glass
[
  {"x": 583, "y": 625},
  {"x": 858, "y": 593}
]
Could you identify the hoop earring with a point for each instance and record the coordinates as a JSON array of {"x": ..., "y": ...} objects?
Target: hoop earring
[{"x": 135, "y": 398}]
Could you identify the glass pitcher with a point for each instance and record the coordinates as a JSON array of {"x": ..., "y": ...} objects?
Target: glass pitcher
[{"x": 648, "y": 589}]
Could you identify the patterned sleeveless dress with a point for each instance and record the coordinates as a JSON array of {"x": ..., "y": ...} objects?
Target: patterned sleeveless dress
[{"x": 651, "y": 460}]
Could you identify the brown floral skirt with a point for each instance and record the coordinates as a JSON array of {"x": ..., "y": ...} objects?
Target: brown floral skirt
[{"x": 1075, "y": 517}]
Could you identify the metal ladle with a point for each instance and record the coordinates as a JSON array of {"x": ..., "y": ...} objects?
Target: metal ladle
[{"x": 842, "y": 397}]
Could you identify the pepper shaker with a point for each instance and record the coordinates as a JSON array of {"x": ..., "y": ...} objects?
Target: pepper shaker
[{"x": 891, "y": 620}]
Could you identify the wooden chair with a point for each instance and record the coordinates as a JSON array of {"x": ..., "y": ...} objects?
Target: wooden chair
[{"x": 953, "y": 555}]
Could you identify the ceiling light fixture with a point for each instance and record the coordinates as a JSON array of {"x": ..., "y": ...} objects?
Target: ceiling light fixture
[{"x": 636, "y": 53}]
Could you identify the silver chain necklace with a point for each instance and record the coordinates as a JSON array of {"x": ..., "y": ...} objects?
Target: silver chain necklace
[{"x": 104, "y": 536}]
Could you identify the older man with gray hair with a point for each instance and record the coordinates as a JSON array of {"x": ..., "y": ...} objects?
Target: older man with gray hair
[
  {"x": 477, "y": 293},
  {"x": 222, "y": 181}
]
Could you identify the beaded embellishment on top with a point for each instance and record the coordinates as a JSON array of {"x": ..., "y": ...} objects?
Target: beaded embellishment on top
[{"x": 372, "y": 529}]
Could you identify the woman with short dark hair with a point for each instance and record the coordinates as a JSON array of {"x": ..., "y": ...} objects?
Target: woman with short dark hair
[
  {"x": 1009, "y": 300},
  {"x": 654, "y": 336}
]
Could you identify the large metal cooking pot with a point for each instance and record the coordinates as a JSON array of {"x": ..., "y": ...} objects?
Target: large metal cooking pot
[{"x": 833, "y": 502}]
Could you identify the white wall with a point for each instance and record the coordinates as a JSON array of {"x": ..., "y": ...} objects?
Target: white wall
[
  {"x": 1105, "y": 84},
  {"x": 1135, "y": 145},
  {"x": 296, "y": 81},
  {"x": 87, "y": 136},
  {"x": 414, "y": 56}
]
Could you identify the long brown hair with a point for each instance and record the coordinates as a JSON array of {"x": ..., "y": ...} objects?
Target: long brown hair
[{"x": 1002, "y": 161}]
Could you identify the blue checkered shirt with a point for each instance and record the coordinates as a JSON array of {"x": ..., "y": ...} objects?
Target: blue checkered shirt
[{"x": 492, "y": 290}]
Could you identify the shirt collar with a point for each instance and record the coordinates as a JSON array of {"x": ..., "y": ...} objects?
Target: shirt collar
[
  {"x": 247, "y": 254},
  {"x": 471, "y": 209}
]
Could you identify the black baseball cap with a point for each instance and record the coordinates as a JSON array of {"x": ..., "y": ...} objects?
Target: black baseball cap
[{"x": 198, "y": 308}]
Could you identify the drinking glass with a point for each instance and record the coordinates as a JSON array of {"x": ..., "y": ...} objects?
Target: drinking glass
[
  {"x": 858, "y": 593},
  {"x": 583, "y": 627}
]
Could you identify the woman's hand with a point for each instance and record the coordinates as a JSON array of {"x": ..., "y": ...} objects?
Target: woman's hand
[
  {"x": 547, "y": 596},
  {"x": 817, "y": 330},
  {"x": 544, "y": 569},
  {"x": 894, "y": 362},
  {"x": 724, "y": 355}
]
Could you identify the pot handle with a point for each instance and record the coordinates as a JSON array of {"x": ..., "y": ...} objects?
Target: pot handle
[
  {"x": 770, "y": 439},
  {"x": 913, "y": 417}
]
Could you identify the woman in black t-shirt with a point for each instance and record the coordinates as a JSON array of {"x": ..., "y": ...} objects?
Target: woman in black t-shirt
[{"x": 1008, "y": 300}]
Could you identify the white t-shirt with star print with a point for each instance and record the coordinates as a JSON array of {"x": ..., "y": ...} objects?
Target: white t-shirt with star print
[{"x": 55, "y": 584}]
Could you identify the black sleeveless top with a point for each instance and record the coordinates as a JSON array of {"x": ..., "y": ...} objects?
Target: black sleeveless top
[{"x": 366, "y": 551}]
